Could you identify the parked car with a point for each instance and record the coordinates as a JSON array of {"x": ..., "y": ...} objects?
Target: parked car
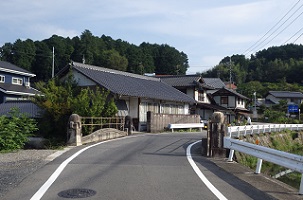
[{"x": 205, "y": 122}]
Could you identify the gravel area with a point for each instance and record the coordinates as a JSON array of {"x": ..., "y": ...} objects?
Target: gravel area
[{"x": 16, "y": 166}]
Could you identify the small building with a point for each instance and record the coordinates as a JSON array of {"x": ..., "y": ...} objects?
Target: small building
[
  {"x": 134, "y": 94},
  {"x": 232, "y": 101},
  {"x": 273, "y": 97},
  {"x": 197, "y": 87},
  {"x": 15, "y": 89}
]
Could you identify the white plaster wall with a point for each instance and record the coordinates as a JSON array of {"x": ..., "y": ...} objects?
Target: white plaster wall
[
  {"x": 206, "y": 99},
  {"x": 133, "y": 107},
  {"x": 82, "y": 80},
  {"x": 240, "y": 105}
]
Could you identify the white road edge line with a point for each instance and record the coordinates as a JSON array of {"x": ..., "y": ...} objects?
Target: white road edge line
[
  {"x": 39, "y": 194},
  {"x": 208, "y": 184}
]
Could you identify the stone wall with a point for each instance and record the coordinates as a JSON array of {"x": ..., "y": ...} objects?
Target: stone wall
[
  {"x": 103, "y": 134},
  {"x": 158, "y": 122}
]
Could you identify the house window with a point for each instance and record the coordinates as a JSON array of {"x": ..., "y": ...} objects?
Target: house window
[
  {"x": 224, "y": 100},
  {"x": 200, "y": 96},
  {"x": 2, "y": 79},
  {"x": 239, "y": 100},
  {"x": 17, "y": 81}
]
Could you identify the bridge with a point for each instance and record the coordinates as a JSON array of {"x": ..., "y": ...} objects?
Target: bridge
[{"x": 152, "y": 166}]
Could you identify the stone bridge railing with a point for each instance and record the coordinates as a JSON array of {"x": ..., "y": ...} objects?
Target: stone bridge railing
[{"x": 82, "y": 130}]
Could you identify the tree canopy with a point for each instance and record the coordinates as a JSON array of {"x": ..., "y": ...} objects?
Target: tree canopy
[
  {"x": 36, "y": 56},
  {"x": 275, "y": 68}
]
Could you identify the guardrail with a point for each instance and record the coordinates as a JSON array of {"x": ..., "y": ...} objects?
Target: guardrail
[
  {"x": 185, "y": 125},
  {"x": 237, "y": 131},
  {"x": 288, "y": 160}
]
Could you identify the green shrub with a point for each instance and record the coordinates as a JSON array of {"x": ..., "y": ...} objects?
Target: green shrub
[
  {"x": 14, "y": 130},
  {"x": 61, "y": 99}
]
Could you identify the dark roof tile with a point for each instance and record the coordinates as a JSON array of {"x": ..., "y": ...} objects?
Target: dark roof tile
[
  {"x": 216, "y": 83},
  {"x": 286, "y": 94},
  {"x": 181, "y": 80},
  {"x": 128, "y": 84},
  {"x": 10, "y": 88},
  {"x": 26, "y": 107},
  {"x": 8, "y": 66}
]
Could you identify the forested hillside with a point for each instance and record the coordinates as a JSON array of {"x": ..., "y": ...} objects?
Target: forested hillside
[
  {"x": 275, "y": 68},
  {"x": 36, "y": 56}
]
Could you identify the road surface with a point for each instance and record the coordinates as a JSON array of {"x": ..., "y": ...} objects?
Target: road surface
[{"x": 147, "y": 166}]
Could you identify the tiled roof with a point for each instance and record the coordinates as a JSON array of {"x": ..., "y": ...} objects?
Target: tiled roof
[
  {"x": 18, "y": 89},
  {"x": 6, "y": 66},
  {"x": 26, "y": 107},
  {"x": 230, "y": 91},
  {"x": 211, "y": 106},
  {"x": 128, "y": 84},
  {"x": 181, "y": 80},
  {"x": 184, "y": 81},
  {"x": 286, "y": 94},
  {"x": 216, "y": 83}
]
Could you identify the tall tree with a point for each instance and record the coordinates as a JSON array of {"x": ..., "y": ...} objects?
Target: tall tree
[
  {"x": 24, "y": 53},
  {"x": 42, "y": 66},
  {"x": 170, "y": 61},
  {"x": 112, "y": 59}
]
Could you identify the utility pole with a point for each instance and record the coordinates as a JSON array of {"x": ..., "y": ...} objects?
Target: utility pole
[
  {"x": 53, "y": 65},
  {"x": 230, "y": 73},
  {"x": 83, "y": 59},
  {"x": 255, "y": 116}
]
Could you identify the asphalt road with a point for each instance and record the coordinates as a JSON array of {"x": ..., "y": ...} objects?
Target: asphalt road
[{"x": 149, "y": 166}]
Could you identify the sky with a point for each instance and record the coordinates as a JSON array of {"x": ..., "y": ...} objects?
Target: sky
[{"x": 206, "y": 31}]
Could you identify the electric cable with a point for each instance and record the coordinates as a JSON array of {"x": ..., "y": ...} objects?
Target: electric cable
[
  {"x": 294, "y": 35},
  {"x": 252, "y": 47}
]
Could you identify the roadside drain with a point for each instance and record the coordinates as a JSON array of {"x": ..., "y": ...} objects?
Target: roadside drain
[{"x": 77, "y": 193}]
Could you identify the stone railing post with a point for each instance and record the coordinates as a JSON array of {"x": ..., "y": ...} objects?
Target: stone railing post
[
  {"x": 128, "y": 124},
  {"x": 74, "y": 135},
  {"x": 216, "y": 133}
]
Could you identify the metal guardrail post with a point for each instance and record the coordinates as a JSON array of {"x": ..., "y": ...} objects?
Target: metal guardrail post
[
  {"x": 259, "y": 166},
  {"x": 301, "y": 185},
  {"x": 231, "y": 155},
  {"x": 291, "y": 161},
  {"x": 251, "y": 130},
  {"x": 258, "y": 130}
]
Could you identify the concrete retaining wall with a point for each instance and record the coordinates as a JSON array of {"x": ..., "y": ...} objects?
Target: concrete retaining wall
[{"x": 158, "y": 122}]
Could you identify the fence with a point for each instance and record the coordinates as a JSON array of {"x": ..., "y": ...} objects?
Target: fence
[
  {"x": 158, "y": 122},
  {"x": 91, "y": 124},
  {"x": 288, "y": 160}
]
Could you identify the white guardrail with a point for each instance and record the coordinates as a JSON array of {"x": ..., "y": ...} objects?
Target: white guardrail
[{"x": 288, "y": 160}]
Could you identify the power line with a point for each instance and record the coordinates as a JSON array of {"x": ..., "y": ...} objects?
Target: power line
[
  {"x": 284, "y": 28},
  {"x": 298, "y": 37},
  {"x": 247, "y": 50},
  {"x": 280, "y": 27},
  {"x": 259, "y": 42},
  {"x": 294, "y": 36}
]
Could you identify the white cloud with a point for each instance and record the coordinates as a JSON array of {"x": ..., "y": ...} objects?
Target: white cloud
[{"x": 206, "y": 31}]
